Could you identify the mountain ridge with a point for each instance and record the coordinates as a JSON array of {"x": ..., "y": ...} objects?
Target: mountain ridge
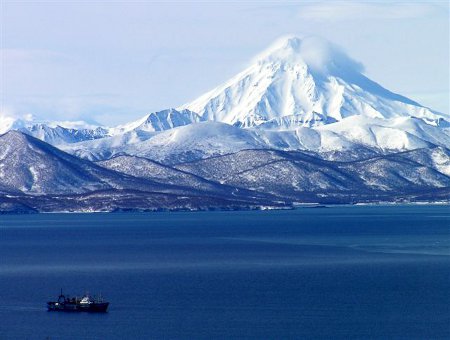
[
  {"x": 37, "y": 177},
  {"x": 302, "y": 123}
]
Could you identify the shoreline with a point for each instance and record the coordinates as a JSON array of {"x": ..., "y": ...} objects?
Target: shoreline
[{"x": 295, "y": 206}]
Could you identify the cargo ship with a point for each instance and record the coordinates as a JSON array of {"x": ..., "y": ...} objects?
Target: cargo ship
[{"x": 75, "y": 304}]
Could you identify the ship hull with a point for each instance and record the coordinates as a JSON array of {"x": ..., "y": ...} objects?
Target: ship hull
[{"x": 100, "y": 307}]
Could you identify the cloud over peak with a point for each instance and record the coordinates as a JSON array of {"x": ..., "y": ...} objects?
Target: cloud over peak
[{"x": 319, "y": 54}]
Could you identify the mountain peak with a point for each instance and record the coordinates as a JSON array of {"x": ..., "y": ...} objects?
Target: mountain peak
[
  {"x": 13, "y": 136},
  {"x": 302, "y": 82},
  {"x": 283, "y": 48},
  {"x": 287, "y": 43},
  {"x": 317, "y": 54}
]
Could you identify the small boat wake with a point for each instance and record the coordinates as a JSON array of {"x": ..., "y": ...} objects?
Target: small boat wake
[{"x": 20, "y": 308}]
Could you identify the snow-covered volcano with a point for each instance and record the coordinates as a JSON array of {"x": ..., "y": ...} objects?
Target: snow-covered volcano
[
  {"x": 301, "y": 124},
  {"x": 302, "y": 82},
  {"x": 300, "y": 94}
]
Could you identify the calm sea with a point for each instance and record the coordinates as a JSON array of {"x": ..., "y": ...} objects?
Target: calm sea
[{"x": 337, "y": 272}]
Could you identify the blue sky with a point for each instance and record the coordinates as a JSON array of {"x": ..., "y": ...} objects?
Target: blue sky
[{"x": 115, "y": 61}]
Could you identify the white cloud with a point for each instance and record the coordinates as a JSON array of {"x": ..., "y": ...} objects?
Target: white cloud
[
  {"x": 8, "y": 119},
  {"x": 317, "y": 52},
  {"x": 369, "y": 10}
]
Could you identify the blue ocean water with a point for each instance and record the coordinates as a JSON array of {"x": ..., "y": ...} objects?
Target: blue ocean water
[{"x": 338, "y": 272}]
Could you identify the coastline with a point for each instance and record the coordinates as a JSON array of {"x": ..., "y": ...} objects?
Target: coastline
[{"x": 294, "y": 206}]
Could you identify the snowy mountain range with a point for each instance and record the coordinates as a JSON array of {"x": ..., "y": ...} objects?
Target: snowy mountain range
[
  {"x": 36, "y": 176},
  {"x": 325, "y": 131}
]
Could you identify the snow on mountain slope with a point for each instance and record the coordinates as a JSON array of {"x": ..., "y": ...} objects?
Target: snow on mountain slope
[
  {"x": 53, "y": 132},
  {"x": 59, "y": 133},
  {"x": 298, "y": 176},
  {"x": 398, "y": 172},
  {"x": 357, "y": 133},
  {"x": 302, "y": 82},
  {"x": 146, "y": 168},
  {"x": 107, "y": 147},
  {"x": 36, "y": 175},
  {"x": 196, "y": 141},
  {"x": 182, "y": 144},
  {"x": 149, "y": 169},
  {"x": 159, "y": 121},
  {"x": 353, "y": 137},
  {"x": 402, "y": 133},
  {"x": 271, "y": 171},
  {"x": 437, "y": 158},
  {"x": 30, "y": 166}
]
